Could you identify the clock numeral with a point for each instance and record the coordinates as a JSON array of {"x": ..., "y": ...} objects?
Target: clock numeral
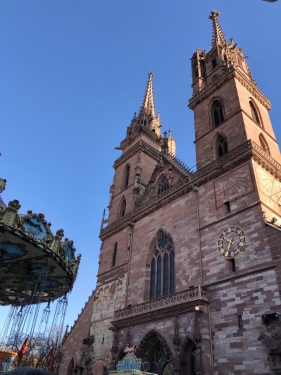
[
  {"x": 222, "y": 251},
  {"x": 239, "y": 231},
  {"x": 219, "y": 245},
  {"x": 229, "y": 230},
  {"x": 232, "y": 254},
  {"x": 223, "y": 233},
  {"x": 226, "y": 254},
  {"x": 241, "y": 243},
  {"x": 242, "y": 237}
]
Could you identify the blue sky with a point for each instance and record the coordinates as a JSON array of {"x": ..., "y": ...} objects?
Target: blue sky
[{"x": 72, "y": 74}]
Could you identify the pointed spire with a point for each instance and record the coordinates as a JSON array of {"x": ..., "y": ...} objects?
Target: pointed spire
[
  {"x": 218, "y": 37},
  {"x": 148, "y": 101}
]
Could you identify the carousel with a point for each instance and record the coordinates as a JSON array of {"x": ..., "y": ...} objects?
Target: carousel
[{"x": 37, "y": 267}]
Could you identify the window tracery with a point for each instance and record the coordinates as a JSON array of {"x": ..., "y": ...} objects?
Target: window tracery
[
  {"x": 217, "y": 113},
  {"x": 162, "y": 277}
]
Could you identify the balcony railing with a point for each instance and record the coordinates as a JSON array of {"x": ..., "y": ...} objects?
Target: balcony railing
[{"x": 189, "y": 295}]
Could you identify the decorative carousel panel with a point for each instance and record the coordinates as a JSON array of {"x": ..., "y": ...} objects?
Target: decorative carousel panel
[
  {"x": 30, "y": 272},
  {"x": 36, "y": 226}
]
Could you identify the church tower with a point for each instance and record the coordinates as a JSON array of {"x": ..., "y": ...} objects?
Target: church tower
[
  {"x": 228, "y": 107},
  {"x": 189, "y": 267},
  {"x": 140, "y": 151}
]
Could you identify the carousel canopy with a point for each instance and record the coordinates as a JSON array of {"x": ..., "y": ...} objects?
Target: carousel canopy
[{"x": 35, "y": 265}]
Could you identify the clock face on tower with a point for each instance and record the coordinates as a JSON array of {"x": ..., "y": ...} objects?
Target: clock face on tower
[{"x": 231, "y": 241}]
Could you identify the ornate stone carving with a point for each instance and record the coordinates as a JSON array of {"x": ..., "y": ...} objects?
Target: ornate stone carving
[
  {"x": 113, "y": 275},
  {"x": 176, "y": 343},
  {"x": 84, "y": 364},
  {"x": 157, "y": 304},
  {"x": 272, "y": 340},
  {"x": 197, "y": 361}
]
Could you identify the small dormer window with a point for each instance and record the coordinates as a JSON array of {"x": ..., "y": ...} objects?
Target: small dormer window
[{"x": 214, "y": 63}]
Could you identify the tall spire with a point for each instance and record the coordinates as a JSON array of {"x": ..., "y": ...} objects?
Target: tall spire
[
  {"x": 218, "y": 37},
  {"x": 148, "y": 101}
]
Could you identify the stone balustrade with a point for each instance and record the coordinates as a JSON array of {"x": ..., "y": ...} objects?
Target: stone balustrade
[{"x": 189, "y": 295}]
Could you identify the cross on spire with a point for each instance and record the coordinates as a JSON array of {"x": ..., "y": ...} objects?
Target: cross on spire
[
  {"x": 218, "y": 37},
  {"x": 148, "y": 101}
]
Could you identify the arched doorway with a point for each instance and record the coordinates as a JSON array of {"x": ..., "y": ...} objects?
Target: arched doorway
[
  {"x": 154, "y": 349},
  {"x": 187, "y": 358}
]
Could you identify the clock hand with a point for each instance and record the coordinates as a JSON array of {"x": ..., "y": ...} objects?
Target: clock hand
[
  {"x": 230, "y": 240},
  {"x": 228, "y": 247}
]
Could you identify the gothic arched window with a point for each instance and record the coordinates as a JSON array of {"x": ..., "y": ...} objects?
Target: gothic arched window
[
  {"x": 126, "y": 176},
  {"x": 254, "y": 113},
  {"x": 123, "y": 208},
  {"x": 264, "y": 144},
  {"x": 163, "y": 184},
  {"x": 162, "y": 271},
  {"x": 217, "y": 113},
  {"x": 114, "y": 255},
  {"x": 222, "y": 146}
]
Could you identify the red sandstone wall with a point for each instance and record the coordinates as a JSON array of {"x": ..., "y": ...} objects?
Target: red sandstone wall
[{"x": 73, "y": 344}]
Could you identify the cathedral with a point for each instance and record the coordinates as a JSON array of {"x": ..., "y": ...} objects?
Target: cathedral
[{"x": 190, "y": 261}]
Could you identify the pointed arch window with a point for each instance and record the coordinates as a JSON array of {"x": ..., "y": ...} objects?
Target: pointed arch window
[
  {"x": 123, "y": 208},
  {"x": 127, "y": 176},
  {"x": 162, "y": 271},
  {"x": 217, "y": 113},
  {"x": 264, "y": 144},
  {"x": 114, "y": 255},
  {"x": 163, "y": 184},
  {"x": 254, "y": 113},
  {"x": 222, "y": 147}
]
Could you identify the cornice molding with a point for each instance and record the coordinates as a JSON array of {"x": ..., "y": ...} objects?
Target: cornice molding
[
  {"x": 253, "y": 89},
  {"x": 231, "y": 72},
  {"x": 160, "y": 308},
  {"x": 142, "y": 129},
  {"x": 145, "y": 147},
  {"x": 112, "y": 274}
]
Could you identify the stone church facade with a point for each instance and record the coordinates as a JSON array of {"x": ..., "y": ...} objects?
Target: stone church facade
[{"x": 189, "y": 268}]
